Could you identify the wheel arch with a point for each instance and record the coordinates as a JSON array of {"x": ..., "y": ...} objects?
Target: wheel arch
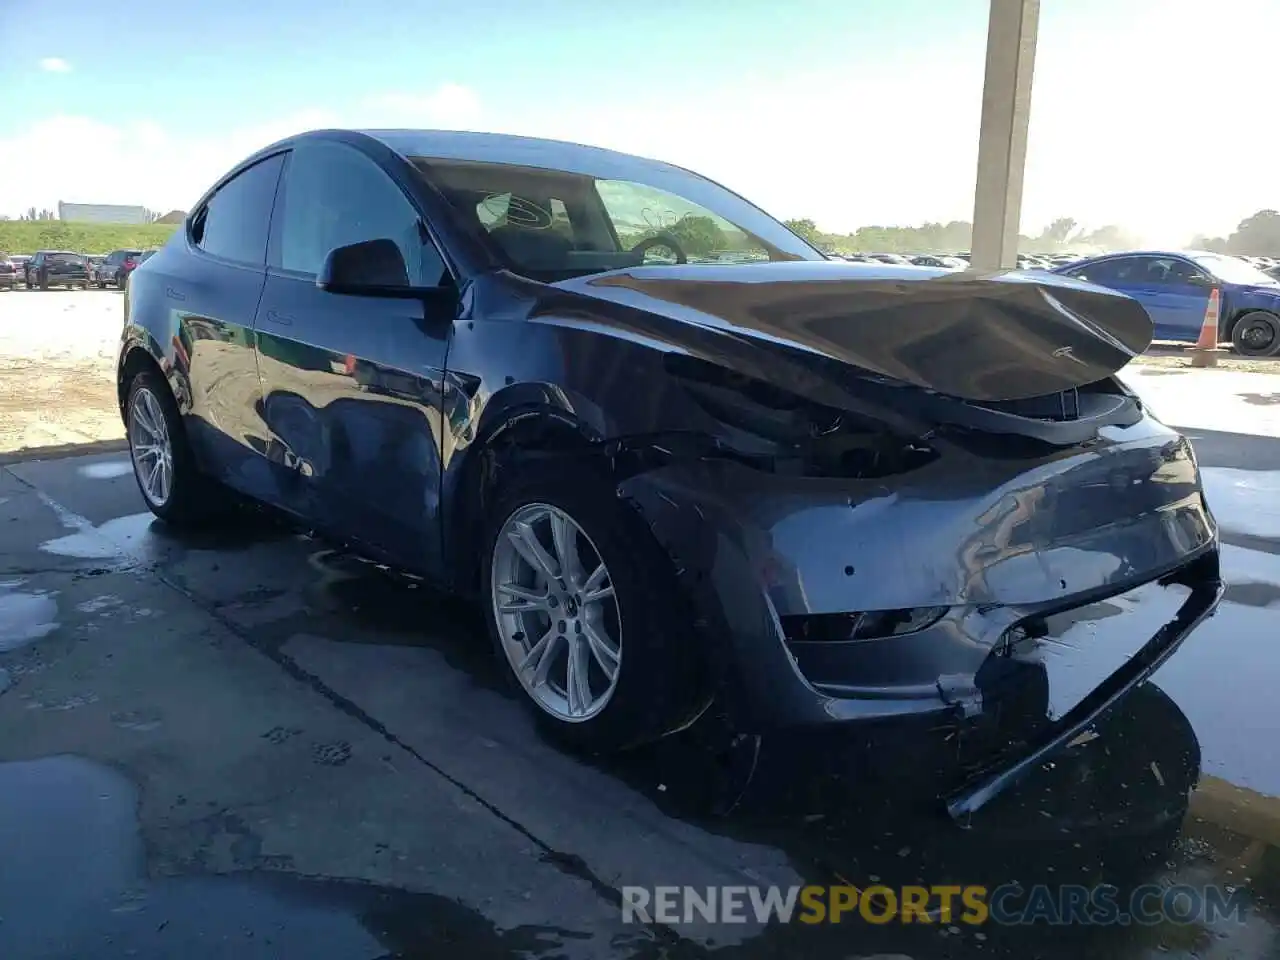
[
  {"x": 514, "y": 433},
  {"x": 139, "y": 354}
]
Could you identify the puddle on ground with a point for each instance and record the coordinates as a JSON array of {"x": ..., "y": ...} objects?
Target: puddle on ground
[
  {"x": 142, "y": 538},
  {"x": 117, "y": 539},
  {"x": 1260, "y": 399},
  {"x": 25, "y": 616},
  {"x": 74, "y": 884},
  {"x": 106, "y": 469}
]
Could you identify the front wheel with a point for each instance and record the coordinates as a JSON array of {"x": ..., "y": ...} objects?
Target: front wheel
[
  {"x": 1257, "y": 334},
  {"x": 586, "y": 613},
  {"x": 163, "y": 464}
]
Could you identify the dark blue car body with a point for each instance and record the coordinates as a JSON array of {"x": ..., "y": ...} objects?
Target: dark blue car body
[{"x": 1174, "y": 288}]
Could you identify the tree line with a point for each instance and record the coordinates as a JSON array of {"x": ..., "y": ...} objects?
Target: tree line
[{"x": 1257, "y": 235}]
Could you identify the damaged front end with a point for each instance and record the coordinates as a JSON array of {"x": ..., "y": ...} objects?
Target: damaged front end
[
  {"x": 919, "y": 557},
  {"x": 915, "y": 502}
]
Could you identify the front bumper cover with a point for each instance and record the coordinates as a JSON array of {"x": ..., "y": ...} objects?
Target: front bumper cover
[{"x": 997, "y": 544}]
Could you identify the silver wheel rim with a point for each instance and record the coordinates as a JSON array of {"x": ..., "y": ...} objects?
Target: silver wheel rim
[
  {"x": 150, "y": 447},
  {"x": 557, "y": 616}
]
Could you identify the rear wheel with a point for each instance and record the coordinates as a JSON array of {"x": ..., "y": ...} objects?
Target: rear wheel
[
  {"x": 1257, "y": 334},
  {"x": 163, "y": 464},
  {"x": 102, "y": 284},
  {"x": 586, "y": 613}
]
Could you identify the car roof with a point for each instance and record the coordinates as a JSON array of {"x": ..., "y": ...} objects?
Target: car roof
[
  {"x": 503, "y": 148},
  {"x": 1184, "y": 254}
]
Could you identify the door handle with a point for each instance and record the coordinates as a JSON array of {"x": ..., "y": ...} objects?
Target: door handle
[
  {"x": 280, "y": 318},
  {"x": 173, "y": 294}
]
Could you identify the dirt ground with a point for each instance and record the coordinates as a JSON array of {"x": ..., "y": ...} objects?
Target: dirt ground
[{"x": 57, "y": 365}]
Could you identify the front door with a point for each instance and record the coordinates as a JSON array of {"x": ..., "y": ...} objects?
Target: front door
[
  {"x": 1175, "y": 293},
  {"x": 351, "y": 385}
]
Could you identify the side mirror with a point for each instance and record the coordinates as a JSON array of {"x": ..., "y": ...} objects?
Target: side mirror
[{"x": 371, "y": 268}]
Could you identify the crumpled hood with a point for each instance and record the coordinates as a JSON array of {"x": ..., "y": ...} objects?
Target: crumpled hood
[{"x": 1003, "y": 336}]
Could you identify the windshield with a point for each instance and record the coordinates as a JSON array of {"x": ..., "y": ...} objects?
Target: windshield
[
  {"x": 554, "y": 224},
  {"x": 1232, "y": 270}
]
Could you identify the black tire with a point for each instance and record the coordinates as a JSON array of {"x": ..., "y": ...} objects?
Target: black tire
[
  {"x": 1256, "y": 334},
  {"x": 44, "y": 283},
  {"x": 102, "y": 284},
  {"x": 660, "y": 685},
  {"x": 194, "y": 498}
]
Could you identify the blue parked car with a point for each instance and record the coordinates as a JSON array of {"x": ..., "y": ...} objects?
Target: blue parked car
[{"x": 1174, "y": 288}]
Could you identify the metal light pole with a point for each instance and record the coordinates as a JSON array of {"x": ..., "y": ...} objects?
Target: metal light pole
[{"x": 1002, "y": 143}]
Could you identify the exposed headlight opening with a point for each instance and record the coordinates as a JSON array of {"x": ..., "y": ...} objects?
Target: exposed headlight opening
[{"x": 776, "y": 430}]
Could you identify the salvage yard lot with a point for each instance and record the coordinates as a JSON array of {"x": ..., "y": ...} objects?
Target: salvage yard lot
[
  {"x": 245, "y": 744},
  {"x": 57, "y": 368}
]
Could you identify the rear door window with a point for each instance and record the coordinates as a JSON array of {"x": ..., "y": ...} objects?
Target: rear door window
[{"x": 235, "y": 221}]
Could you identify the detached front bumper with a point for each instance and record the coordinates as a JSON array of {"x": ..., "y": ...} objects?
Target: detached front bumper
[{"x": 1003, "y": 555}]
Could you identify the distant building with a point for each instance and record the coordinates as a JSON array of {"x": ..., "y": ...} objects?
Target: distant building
[{"x": 101, "y": 213}]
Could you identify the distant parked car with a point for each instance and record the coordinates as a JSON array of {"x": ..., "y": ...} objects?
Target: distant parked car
[
  {"x": 1273, "y": 272},
  {"x": 8, "y": 273},
  {"x": 56, "y": 268},
  {"x": 937, "y": 260},
  {"x": 896, "y": 258},
  {"x": 117, "y": 267},
  {"x": 1174, "y": 288},
  {"x": 94, "y": 266}
]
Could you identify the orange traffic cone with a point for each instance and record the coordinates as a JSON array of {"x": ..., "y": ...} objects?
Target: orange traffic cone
[{"x": 1205, "y": 353}]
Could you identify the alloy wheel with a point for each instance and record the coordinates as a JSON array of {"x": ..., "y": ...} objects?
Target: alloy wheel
[
  {"x": 558, "y": 619},
  {"x": 151, "y": 447}
]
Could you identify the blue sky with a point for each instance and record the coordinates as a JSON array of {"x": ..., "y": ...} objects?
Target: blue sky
[{"x": 848, "y": 111}]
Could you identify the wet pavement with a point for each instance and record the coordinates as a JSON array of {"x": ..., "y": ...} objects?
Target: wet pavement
[{"x": 245, "y": 744}]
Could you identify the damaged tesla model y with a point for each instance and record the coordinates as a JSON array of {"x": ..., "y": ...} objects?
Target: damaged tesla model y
[{"x": 677, "y": 455}]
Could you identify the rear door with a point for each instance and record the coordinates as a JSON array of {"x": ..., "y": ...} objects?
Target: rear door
[
  {"x": 213, "y": 295},
  {"x": 352, "y": 385}
]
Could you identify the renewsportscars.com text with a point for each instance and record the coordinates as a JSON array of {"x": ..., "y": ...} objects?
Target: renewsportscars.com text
[{"x": 1010, "y": 905}]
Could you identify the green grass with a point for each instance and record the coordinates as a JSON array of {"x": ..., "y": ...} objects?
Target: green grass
[{"x": 25, "y": 236}]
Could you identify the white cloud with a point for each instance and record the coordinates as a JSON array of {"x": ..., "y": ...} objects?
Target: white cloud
[
  {"x": 55, "y": 65},
  {"x": 78, "y": 159}
]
